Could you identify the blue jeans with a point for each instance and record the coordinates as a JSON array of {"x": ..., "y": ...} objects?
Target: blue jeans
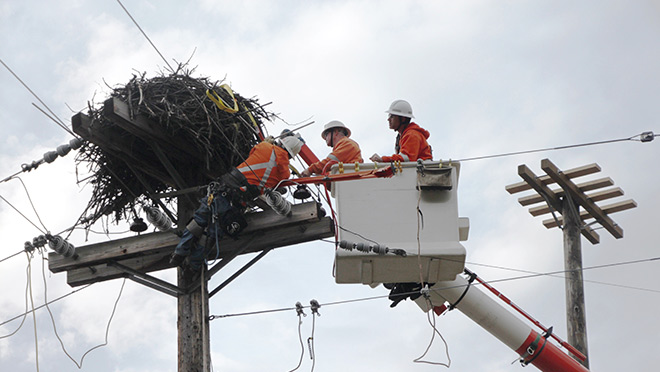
[{"x": 207, "y": 217}]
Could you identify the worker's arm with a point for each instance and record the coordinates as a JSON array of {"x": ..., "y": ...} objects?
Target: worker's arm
[{"x": 410, "y": 147}]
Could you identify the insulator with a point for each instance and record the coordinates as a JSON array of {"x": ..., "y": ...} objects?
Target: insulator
[
  {"x": 362, "y": 247},
  {"x": 61, "y": 246},
  {"x": 379, "y": 249},
  {"x": 138, "y": 225},
  {"x": 62, "y": 150},
  {"x": 50, "y": 156},
  {"x": 346, "y": 245},
  {"x": 157, "y": 218},
  {"x": 276, "y": 201},
  {"x": 76, "y": 143}
]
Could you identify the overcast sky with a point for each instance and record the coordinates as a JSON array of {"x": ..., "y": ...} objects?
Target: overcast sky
[{"x": 484, "y": 77}]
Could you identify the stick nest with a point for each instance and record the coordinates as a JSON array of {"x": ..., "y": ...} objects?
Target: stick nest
[{"x": 179, "y": 107}]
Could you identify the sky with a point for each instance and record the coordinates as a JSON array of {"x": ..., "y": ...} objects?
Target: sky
[{"x": 484, "y": 77}]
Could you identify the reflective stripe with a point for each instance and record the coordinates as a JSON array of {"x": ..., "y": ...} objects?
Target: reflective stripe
[
  {"x": 270, "y": 165},
  {"x": 405, "y": 157},
  {"x": 332, "y": 157}
]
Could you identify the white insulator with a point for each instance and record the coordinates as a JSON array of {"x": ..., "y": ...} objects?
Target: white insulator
[
  {"x": 276, "y": 201},
  {"x": 76, "y": 143},
  {"x": 379, "y": 249},
  {"x": 61, "y": 246},
  {"x": 346, "y": 245},
  {"x": 157, "y": 218},
  {"x": 362, "y": 247},
  {"x": 62, "y": 150},
  {"x": 50, "y": 156}
]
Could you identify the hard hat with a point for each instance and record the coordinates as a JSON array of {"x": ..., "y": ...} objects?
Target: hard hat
[
  {"x": 335, "y": 124},
  {"x": 401, "y": 108},
  {"x": 292, "y": 144}
]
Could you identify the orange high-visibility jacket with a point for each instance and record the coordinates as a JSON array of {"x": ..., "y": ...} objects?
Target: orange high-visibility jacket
[
  {"x": 413, "y": 145},
  {"x": 345, "y": 150},
  {"x": 267, "y": 165}
]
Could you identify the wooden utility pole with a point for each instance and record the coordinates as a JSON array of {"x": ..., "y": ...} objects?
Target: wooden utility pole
[
  {"x": 576, "y": 320},
  {"x": 567, "y": 202}
]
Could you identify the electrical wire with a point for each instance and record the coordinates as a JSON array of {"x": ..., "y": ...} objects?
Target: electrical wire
[
  {"x": 27, "y": 283},
  {"x": 615, "y": 264},
  {"x": 13, "y": 255},
  {"x": 631, "y": 138},
  {"x": 60, "y": 123},
  {"x": 302, "y": 346},
  {"x": 431, "y": 315},
  {"x": 22, "y": 215},
  {"x": 34, "y": 315},
  {"x": 145, "y": 35},
  {"x": 44, "y": 305},
  {"x": 31, "y": 203},
  {"x": 52, "y": 318}
]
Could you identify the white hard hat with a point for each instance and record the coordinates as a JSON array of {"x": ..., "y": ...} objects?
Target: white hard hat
[
  {"x": 401, "y": 108},
  {"x": 335, "y": 124},
  {"x": 292, "y": 144}
]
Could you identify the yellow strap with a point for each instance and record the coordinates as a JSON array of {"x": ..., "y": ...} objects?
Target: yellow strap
[
  {"x": 220, "y": 102},
  {"x": 357, "y": 166},
  {"x": 294, "y": 170},
  {"x": 340, "y": 167}
]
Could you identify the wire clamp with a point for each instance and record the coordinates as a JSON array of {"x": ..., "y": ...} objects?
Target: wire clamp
[
  {"x": 646, "y": 136},
  {"x": 299, "y": 309},
  {"x": 315, "y": 307}
]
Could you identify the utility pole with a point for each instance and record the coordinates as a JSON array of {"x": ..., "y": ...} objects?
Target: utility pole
[
  {"x": 576, "y": 320},
  {"x": 567, "y": 201}
]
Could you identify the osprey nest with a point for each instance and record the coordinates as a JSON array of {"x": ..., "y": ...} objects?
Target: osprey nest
[{"x": 176, "y": 131}]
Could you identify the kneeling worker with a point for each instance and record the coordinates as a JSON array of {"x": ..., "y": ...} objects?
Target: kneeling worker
[
  {"x": 344, "y": 149},
  {"x": 221, "y": 211}
]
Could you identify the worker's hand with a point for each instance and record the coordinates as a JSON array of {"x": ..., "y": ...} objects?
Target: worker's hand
[
  {"x": 305, "y": 173},
  {"x": 376, "y": 158}
]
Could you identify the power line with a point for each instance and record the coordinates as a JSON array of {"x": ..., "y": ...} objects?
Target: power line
[
  {"x": 642, "y": 137},
  {"x": 212, "y": 317},
  {"x": 59, "y": 122},
  {"x": 145, "y": 35},
  {"x": 49, "y": 302},
  {"x": 13, "y": 255},
  {"x": 24, "y": 216}
]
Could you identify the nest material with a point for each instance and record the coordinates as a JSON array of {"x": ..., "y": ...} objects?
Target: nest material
[{"x": 178, "y": 104}]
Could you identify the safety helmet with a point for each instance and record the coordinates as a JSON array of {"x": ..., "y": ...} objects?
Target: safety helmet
[
  {"x": 292, "y": 144},
  {"x": 335, "y": 124},
  {"x": 401, "y": 108}
]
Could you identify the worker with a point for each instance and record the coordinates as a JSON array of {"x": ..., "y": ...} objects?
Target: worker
[
  {"x": 411, "y": 139},
  {"x": 221, "y": 211},
  {"x": 344, "y": 149}
]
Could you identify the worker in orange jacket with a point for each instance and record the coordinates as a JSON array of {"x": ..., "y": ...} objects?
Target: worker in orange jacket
[
  {"x": 411, "y": 143},
  {"x": 344, "y": 149},
  {"x": 221, "y": 211}
]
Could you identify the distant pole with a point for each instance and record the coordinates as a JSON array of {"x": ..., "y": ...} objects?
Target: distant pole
[{"x": 575, "y": 310}]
